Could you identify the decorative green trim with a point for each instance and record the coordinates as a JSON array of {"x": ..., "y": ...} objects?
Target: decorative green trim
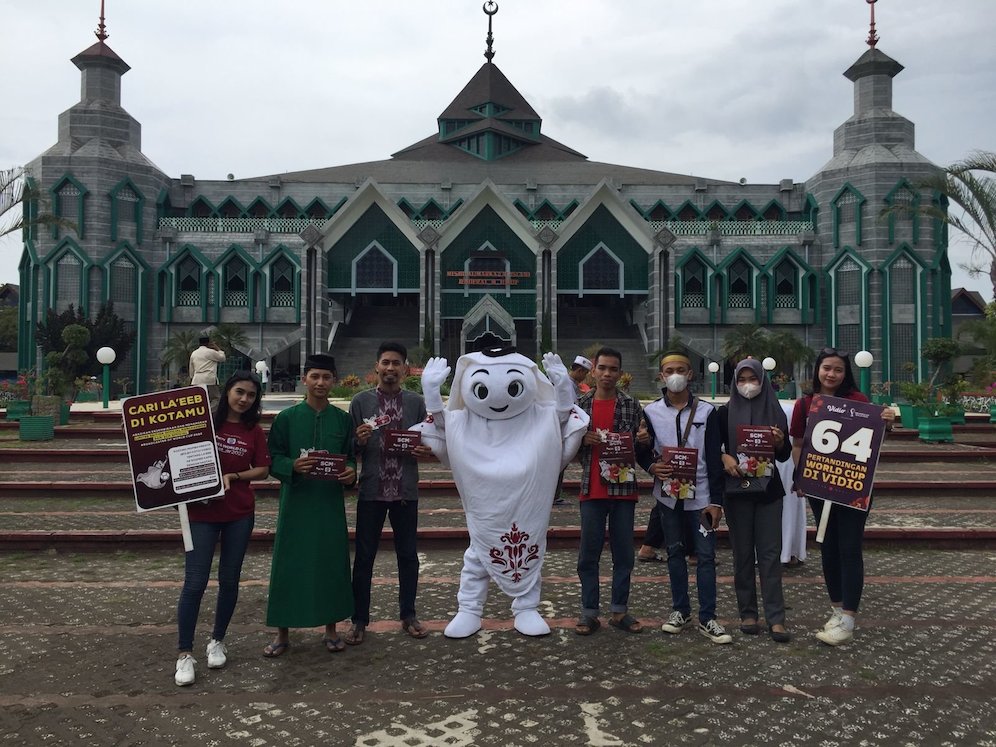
[
  {"x": 137, "y": 208},
  {"x": 31, "y": 208},
  {"x": 904, "y": 184},
  {"x": 940, "y": 201},
  {"x": 142, "y": 269},
  {"x": 279, "y": 209},
  {"x": 414, "y": 213},
  {"x": 744, "y": 204},
  {"x": 202, "y": 200},
  {"x": 264, "y": 269},
  {"x": 558, "y": 213},
  {"x": 318, "y": 205},
  {"x": 805, "y": 275},
  {"x": 904, "y": 250},
  {"x": 169, "y": 268},
  {"x": 252, "y": 273},
  {"x": 782, "y": 212},
  {"x": 866, "y": 269},
  {"x": 811, "y": 210},
  {"x": 229, "y": 200},
  {"x": 57, "y": 207},
  {"x": 68, "y": 246},
  {"x": 699, "y": 215},
  {"x": 717, "y": 205},
  {"x": 266, "y": 206},
  {"x": 858, "y": 210},
  {"x": 679, "y": 281},
  {"x": 722, "y": 271}
]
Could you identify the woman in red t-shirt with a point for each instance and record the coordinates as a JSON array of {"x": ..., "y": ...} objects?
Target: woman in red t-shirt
[
  {"x": 843, "y": 562},
  {"x": 244, "y": 457}
]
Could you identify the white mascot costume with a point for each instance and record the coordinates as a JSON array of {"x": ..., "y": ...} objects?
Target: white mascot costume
[{"x": 506, "y": 434}]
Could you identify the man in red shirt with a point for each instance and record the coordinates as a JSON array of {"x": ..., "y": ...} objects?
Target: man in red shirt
[{"x": 608, "y": 495}]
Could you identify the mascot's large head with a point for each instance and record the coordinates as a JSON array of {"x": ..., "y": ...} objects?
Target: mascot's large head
[{"x": 498, "y": 384}]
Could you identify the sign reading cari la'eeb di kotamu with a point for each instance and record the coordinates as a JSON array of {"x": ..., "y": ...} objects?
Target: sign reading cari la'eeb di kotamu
[
  {"x": 840, "y": 451},
  {"x": 171, "y": 448}
]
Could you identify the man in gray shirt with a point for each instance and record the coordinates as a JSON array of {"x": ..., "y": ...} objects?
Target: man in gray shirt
[{"x": 388, "y": 487}]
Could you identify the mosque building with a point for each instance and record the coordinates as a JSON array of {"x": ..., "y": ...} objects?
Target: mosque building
[{"x": 488, "y": 231}]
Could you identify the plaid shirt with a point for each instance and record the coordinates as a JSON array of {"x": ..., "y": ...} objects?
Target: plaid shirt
[{"x": 626, "y": 419}]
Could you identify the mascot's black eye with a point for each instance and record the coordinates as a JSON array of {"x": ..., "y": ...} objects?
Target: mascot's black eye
[
  {"x": 480, "y": 391},
  {"x": 515, "y": 388}
]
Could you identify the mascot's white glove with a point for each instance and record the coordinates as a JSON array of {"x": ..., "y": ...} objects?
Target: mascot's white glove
[
  {"x": 556, "y": 371},
  {"x": 434, "y": 373}
]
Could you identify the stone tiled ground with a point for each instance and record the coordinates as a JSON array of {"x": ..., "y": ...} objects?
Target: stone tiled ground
[{"x": 89, "y": 639}]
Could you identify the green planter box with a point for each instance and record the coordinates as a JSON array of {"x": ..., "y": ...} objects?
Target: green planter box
[
  {"x": 782, "y": 394},
  {"x": 936, "y": 429},
  {"x": 881, "y": 399},
  {"x": 87, "y": 397},
  {"x": 37, "y": 428},
  {"x": 992, "y": 414},
  {"x": 910, "y": 415},
  {"x": 957, "y": 418},
  {"x": 64, "y": 411},
  {"x": 18, "y": 408}
]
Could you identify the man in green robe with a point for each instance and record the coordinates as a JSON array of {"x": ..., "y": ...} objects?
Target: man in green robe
[{"x": 310, "y": 576}]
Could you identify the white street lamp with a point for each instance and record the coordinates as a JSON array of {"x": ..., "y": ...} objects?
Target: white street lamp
[
  {"x": 864, "y": 360},
  {"x": 105, "y": 357}
]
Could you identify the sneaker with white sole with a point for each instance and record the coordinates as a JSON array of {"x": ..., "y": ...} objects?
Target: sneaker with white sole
[
  {"x": 715, "y": 632},
  {"x": 185, "y": 671},
  {"x": 217, "y": 654},
  {"x": 834, "y": 620},
  {"x": 676, "y": 622},
  {"x": 836, "y": 635}
]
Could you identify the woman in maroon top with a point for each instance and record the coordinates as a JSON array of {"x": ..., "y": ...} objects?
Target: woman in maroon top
[
  {"x": 843, "y": 562},
  {"x": 244, "y": 457}
]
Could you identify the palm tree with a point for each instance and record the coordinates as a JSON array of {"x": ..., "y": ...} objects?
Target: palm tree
[
  {"x": 15, "y": 193},
  {"x": 746, "y": 340},
  {"x": 971, "y": 186},
  {"x": 788, "y": 350},
  {"x": 230, "y": 338},
  {"x": 178, "y": 348}
]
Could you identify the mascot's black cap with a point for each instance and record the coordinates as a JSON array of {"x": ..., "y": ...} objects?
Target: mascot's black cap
[
  {"x": 499, "y": 352},
  {"x": 320, "y": 360}
]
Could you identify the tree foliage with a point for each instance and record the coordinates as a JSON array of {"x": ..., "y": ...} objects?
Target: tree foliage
[
  {"x": 230, "y": 338},
  {"x": 178, "y": 348},
  {"x": 105, "y": 329},
  {"x": 751, "y": 340},
  {"x": 63, "y": 367},
  {"x": 8, "y": 329},
  {"x": 15, "y": 194},
  {"x": 970, "y": 187}
]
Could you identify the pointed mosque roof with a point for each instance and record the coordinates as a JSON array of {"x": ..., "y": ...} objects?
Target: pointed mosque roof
[
  {"x": 99, "y": 53},
  {"x": 489, "y": 84}
]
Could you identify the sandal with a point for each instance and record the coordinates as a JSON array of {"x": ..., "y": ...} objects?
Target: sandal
[
  {"x": 333, "y": 645},
  {"x": 354, "y": 636},
  {"x": 587, "y": 625},
  {"x": 627, "y": 622},
  {"x": 275, "y": 649},
  {"x": 414, "y": 628}
]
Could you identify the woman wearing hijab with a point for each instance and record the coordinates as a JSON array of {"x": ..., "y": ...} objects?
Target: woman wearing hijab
[{"x": 755, "y": 520}]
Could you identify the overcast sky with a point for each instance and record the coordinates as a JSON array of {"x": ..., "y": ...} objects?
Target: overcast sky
[{"x": 718, "y": 88}]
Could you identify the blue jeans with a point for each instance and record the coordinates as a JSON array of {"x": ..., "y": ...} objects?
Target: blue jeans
[
  {"x": 594, "y": 515},
  {"x": 677, "y": 524},
  {"x": 234, "y": 536},
  {"x": 370, "y": 517}
]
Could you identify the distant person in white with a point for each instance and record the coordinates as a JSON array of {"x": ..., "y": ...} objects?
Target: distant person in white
[
  {"x": 264, "y": 375},
  {"x": 204, "y": 368}
]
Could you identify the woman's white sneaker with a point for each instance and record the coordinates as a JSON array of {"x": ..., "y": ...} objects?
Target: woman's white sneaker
[
  {"x": 834, "y": 620},
  {"x": 217, "y": 654},
  {"x": 836, "y": 635},
  {"x": 185, "y": 670}
]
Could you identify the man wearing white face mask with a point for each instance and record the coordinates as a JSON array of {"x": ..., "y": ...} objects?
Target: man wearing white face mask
[{"x": 679, "y": 419}]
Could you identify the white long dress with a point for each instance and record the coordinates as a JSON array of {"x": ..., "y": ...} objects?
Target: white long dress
[{"x": 793, "y": 507}]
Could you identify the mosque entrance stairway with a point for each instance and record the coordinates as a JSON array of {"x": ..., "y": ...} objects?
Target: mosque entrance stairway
[
  {"x": 356, "y": 346},
  {"x": 78, "y": 495}
]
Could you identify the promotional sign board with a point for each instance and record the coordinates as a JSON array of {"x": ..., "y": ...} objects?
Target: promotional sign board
[
  {"x": 401, "y": 443},
  {"x": 171, "y": 448},
  {"x": 328, "y": 467},
  {"x": 755, "y": 450},
  {"x": 684, "y": 463},
  {"x": 841, "y": 450}
]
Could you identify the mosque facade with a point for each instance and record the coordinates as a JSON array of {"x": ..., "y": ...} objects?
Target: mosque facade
[{"x": 489, "y": 231}]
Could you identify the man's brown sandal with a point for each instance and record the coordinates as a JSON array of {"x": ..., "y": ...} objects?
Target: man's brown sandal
[
  {"x": 354, "y": 636},
  {"x": 414, "y": 628}
]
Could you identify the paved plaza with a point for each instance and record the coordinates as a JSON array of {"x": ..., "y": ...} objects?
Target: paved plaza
[{"x": 89, "y": 643}]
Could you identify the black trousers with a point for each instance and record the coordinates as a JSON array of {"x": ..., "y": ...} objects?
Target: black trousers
[{"x": 370, "y": 517}]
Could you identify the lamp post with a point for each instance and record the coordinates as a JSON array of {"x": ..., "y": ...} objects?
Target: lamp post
[
  {"x": 106, "y": 356},
  {"x": 864, "y": 360},
  {"x": 713, "y": 369}
]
